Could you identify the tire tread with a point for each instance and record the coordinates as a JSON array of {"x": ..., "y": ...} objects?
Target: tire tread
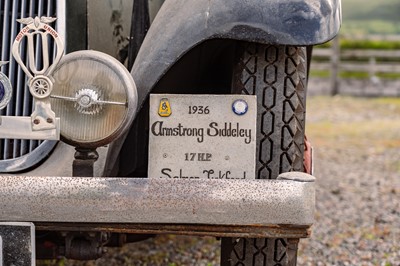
[{"x": 277, "y": 75}]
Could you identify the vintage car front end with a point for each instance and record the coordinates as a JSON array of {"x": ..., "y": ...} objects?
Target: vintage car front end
[{"x": 74, "y": 127}]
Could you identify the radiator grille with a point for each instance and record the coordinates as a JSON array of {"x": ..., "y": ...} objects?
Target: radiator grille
[{"x": 21, "y": 102}]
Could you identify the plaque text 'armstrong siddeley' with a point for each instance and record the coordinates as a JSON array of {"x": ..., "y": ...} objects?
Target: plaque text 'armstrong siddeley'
[{"x": 214, "y": 129}]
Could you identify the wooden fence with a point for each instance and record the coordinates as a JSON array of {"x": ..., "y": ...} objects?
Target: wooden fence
[
  {"x": 359, "y": 61},
  {"x": 372, "y": 62}
]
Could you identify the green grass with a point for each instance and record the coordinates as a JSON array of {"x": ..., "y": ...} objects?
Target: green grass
[
  {"x": 365, "y": 27},
  {"x": 332, "y": 129},
  {"x": 319, "y": 74},
  {"x": 371, "y": 17},
  {"x": 362, "y": 10},
  {"x": 355, "y": 75},
  {"x": 357, "y": 133},
  {"x": 369, "y": 44},
  {"x": 389, "y": 75},
  {"x": 393, "y": 103}
]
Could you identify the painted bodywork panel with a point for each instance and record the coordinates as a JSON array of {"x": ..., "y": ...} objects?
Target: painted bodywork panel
[{"x": 182, "y": 24}]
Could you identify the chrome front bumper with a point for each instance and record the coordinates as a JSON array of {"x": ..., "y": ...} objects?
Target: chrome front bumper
[{"x": 252, "y": 208}]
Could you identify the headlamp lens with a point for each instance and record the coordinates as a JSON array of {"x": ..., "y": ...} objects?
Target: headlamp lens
[{"x": 92, "y": 96}]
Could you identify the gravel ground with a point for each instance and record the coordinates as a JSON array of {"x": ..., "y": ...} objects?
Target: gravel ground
[
  {"x": 357, "y": 165},
  {"x": 358, "y": 173}
]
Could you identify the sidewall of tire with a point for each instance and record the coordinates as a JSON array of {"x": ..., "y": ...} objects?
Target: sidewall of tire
[{"x": 277, "y": 74}]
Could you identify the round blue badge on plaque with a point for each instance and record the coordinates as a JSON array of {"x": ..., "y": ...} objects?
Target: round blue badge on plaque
[{"x": 240, "y": 107}]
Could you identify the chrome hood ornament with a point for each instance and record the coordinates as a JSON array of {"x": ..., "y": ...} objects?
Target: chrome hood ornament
[
  {"x": 43, "y": 123},
  {"x": 39, "y": 27}
]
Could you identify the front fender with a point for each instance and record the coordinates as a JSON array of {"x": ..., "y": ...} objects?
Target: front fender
[{"x": 183, "y": 24}]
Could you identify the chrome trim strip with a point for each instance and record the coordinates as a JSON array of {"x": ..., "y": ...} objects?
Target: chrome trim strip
[
  {"x": 28, "y": 160},
  {"x": 61, "y": 26},
  {"x": 142, "y": 200}
]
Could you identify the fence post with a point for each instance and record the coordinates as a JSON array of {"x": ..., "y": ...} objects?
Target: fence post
[
  {"x": 372, "y": 67},
  {"x": 335, "y": 60}
]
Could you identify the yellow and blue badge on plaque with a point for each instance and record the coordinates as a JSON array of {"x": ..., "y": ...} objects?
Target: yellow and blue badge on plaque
[{"x": 164, "y": 109}]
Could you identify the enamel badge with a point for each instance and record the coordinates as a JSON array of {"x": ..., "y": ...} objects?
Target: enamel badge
[
  {"x": 164, "y": 109},
  {"x": 5, "y": 89}
]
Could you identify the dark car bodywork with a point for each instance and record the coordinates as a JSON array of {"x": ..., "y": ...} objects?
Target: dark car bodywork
[
  {"x": 206, "y": 32},
  {"x": 299, "y": 23}
]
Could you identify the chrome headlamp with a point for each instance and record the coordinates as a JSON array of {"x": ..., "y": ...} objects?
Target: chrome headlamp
[{"x": 95, "y": 96}]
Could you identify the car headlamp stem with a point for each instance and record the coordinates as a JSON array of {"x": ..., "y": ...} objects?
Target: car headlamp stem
[{"x": 83, "y": 164}]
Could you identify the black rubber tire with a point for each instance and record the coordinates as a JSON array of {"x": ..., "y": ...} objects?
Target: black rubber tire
[{"x": 278, "y": 76}]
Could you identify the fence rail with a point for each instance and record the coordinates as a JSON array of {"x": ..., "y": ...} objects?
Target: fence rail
[
  {"x": 327, "y": 52},
  {"x": 371, "y": 37},
  {"x": 371, "y": 67},
  {"x": 369, "y": 61}
]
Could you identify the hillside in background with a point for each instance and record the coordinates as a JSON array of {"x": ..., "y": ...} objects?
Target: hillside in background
[{"x": 371, "y": 17}]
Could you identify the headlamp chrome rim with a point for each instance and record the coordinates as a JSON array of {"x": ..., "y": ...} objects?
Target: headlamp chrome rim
[{"x": 128, "y": 84}]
